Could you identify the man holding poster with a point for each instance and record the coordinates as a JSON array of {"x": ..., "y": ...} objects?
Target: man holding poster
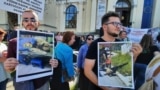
[
  {"x": 111, "y": 26},
  {"x": 29, "y": 22}
]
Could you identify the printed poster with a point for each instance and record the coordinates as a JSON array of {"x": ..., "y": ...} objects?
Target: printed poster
[
  {"x": 18, "y": 6},
  {"x": 115, "y": 64},
  {"x": 135, "y": 35},
  {"x": 34, "y": 50}
]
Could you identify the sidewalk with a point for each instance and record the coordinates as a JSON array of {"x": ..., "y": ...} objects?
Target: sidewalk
[{"x": 10, "y": 85}]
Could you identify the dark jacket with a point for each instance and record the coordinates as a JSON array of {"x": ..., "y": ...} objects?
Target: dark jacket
[{"x": 146, "y": 56}]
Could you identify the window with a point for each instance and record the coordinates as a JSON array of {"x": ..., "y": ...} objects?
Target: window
[
  {"x": 122, "y": 4},
  {"x": 71, "y": 17}
]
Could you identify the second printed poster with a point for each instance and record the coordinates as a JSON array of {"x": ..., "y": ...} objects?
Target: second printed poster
[{"x": 115, "y": 64}]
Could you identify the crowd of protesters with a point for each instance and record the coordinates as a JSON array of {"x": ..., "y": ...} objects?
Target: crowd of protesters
[{"x": 65, "y": 43}]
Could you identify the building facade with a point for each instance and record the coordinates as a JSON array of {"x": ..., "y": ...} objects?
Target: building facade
[{"x": 85, "y": 15}]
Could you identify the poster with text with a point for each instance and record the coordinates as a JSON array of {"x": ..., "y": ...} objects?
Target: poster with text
[
  {"x": 135, "y": 35},
  {"x": 18, "y": 6},
  {"x": 34, "y": 51},
  {"x": 115, "y": 64}
]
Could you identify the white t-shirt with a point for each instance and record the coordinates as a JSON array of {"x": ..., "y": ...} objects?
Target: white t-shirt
[
  {"x": 3, "y": 47},
  {"x": 3, "y": 74}
]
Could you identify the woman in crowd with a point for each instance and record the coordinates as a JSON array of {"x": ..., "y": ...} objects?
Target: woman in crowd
[
  {"x": 4, "y": 76},
  {"x": 148, "y": 50},
  {"x": 64, "y": 54},
  {"x": 83, "y": 81},
  {"x": 143, "y": 59}
]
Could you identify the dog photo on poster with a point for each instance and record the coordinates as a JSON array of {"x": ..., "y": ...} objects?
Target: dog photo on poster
[{"x": 115, "y": 64}]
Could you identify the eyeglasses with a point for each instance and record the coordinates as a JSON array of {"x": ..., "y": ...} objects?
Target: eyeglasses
[
  {"x": 90, "y": 38},
  {"x": 116, "y": 24},
  {"x": 27, "y": 19}
]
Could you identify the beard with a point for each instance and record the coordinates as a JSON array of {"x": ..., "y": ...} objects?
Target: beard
[
  {"x": 31, "y": 27},
  {"x": 112, "y": 34}
]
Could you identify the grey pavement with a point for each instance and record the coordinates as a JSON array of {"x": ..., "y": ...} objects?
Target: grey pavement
[{"x": 10, "y": 84}]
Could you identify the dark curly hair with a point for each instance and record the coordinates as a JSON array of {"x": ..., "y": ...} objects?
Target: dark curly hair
[{"x": 106, "y": 17}]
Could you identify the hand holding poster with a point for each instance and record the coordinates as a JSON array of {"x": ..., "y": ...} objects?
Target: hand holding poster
[{"x": 34, "y": 51}]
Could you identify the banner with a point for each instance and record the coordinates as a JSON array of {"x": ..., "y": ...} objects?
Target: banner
[
  {"x": 18, "y": 6},
  {"x": 66, "y": 1},
  {"x": 101, "y": 10},
  {"x": 135, "y": 35},
  {"x": 154, "y": 32}
]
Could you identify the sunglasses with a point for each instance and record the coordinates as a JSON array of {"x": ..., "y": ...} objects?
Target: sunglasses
[
  {"x": 116, "y": 24},
  {"x": 27, "y": 19},
  {"x": 90, "y": 38}
]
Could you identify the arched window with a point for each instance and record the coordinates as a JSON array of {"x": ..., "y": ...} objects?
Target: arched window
[
  {"x": 122, "y": 4},
  {"x": 71, "y": 17}
]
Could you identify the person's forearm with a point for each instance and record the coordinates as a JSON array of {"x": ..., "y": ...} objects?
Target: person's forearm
[{"x": 92, "y": 77}]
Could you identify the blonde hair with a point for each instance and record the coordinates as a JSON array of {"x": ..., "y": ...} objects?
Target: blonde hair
[{"x": 32, "y": 11}]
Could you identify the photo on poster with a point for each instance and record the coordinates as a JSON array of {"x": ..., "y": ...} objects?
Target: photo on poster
[
  {"x": 115, "y": 64},
  {"x": 34, "y": 50}
]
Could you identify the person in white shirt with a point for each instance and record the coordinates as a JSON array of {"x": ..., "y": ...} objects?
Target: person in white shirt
[{"x": 4, "y": 76}]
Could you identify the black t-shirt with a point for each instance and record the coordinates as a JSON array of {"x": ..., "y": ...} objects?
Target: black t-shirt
[{"x": 92, "y": 54}]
